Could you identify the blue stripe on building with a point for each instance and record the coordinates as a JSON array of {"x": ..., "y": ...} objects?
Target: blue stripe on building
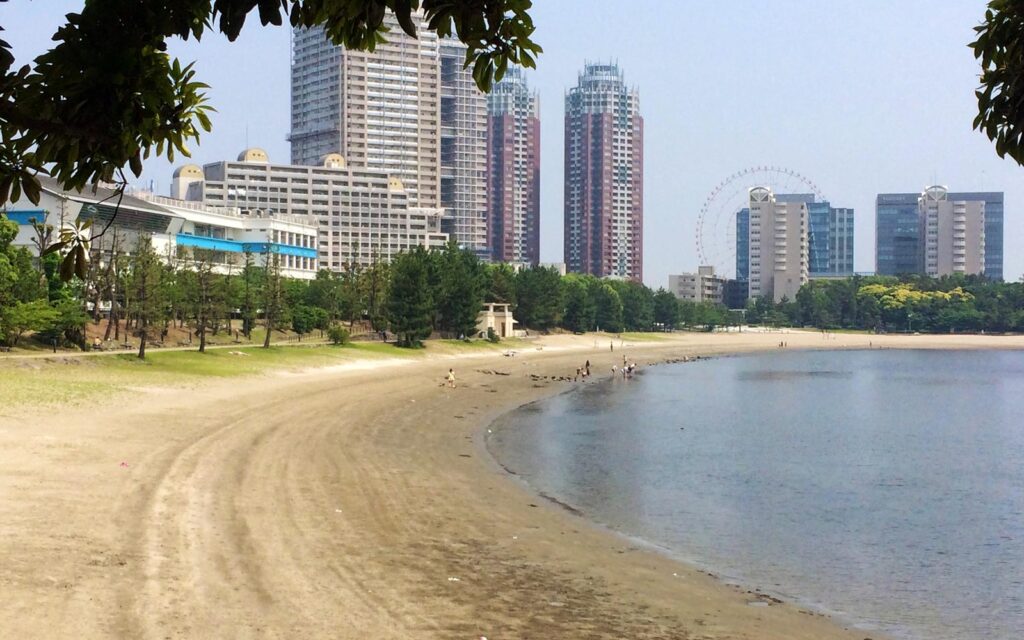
[{"x": 233, "y": 246}]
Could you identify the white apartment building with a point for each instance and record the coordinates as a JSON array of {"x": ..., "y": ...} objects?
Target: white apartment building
[
  {"x": 364, "y": 216},
  {"x": 177, "y": 228},
  {"x": 778, "y": 247},
  {"x": 379, "y": 110},
  {"x": 953, "y": 233},
  {"x": 703, "y": 286}
]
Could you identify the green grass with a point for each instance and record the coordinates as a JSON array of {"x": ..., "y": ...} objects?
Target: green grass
[
  {"x": 638, "y": 336},
  {"x": 62, "y": 380}
]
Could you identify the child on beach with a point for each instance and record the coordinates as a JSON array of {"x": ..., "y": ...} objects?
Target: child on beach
[{"x": 451, "y": 378}]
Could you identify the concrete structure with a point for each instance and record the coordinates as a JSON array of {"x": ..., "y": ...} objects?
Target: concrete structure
[
  {"x": 778, "y": 245},
  {"x": 829, "y": 236},
  {"x": 952, "y": 234},
  {"x": 177, "y": 228},
  {"x": 513, "y": 170},
  {"x": 463, "y": 151},
  {"x": 703, "y": 286},
  {"x": 378, "y": 110},
  {"x": 905, "y": 245},
  {"x": 604, "y": 175},
  {"x": 364, "y": 215},
  {"x": 497, "y": 316}
]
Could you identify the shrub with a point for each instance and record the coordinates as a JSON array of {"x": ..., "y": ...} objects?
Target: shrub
[
  {"x": 338, "y": 335},
  {"x": 492, "y": 336}
]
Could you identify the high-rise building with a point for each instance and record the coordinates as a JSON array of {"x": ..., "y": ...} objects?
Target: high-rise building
[
  {"x": 778, "y": 245},
  {"x": 463, "y": 151},
  {"x": 743, "y": 245},
  {"x": 604, "y": 175},
  {"x": 897, "y": 234},
  {"x": 513, "y": 170},
  {"x": 829, "y": 236},
  {"x": 952, "y": 233},
  {"x": 379, "y": 110},
  {"x": 364, "y": 216},
  {"x": 993, "y": 228},
  {"x": 953, "y": 243}
]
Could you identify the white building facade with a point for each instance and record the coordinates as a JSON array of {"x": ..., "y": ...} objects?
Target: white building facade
[
  {"x": 953, "y": 233},
  {"x": 177, "y": 228},
  {"x": 364, "y": 216},
  {"x": 380, "y": 110},
  {"x": 703, "y": 286},
  {"x": 778, "y": 247}
]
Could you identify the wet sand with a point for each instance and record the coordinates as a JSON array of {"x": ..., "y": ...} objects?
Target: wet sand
[{"x": 353, "y": 502}]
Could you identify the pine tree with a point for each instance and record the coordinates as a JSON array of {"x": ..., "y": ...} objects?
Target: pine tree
[{"x": 410, "y": 307}]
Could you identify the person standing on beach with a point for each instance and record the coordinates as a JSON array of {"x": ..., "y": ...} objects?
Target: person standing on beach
[
  {"x": 451, "y": 378},
  {"x": 611, "y": 345},
  {"x": 586, "y": 368}
]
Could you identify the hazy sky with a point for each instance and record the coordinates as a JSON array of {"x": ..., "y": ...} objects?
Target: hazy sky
[{"x": 860, "y": 97}]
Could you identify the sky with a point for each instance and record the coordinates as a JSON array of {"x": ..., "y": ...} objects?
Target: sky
[{"x": 860, "y": 97}]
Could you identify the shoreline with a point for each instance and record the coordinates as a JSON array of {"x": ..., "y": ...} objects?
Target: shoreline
[{"x": 348, "y": 504}]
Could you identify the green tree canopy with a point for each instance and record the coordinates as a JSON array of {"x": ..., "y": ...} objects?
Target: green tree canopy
[
  {"x": 410, "y": 308},
  {"x": 999, "y": 48}
]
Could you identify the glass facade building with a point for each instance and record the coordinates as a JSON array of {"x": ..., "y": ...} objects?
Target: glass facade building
[
  {"x": 743, "y": 245},
  {"x": 899, "y": 247}
]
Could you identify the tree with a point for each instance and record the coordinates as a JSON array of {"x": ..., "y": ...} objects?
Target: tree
[
  {"x": 273, "y": 298},
  {"x": 579, "y": 309},
  {"x": 607, "y": 307},
  {"x": 410, "y": 308},
  {"x": 106, "y": 95},
  {"x": 458, "y": 297},
  {"x": 148, "y": 300},
  {"x": 501, "y": 283},
  {"x": 22, "y": 317},
  {"x": 666, "y": 309},
  {"x": 252, "y": 280},
  {"x": 538, "y": 297},
  {"x": 999, "y": 48},
  {"x": 205, "y": 295},
  {"x": 637, "y": 305}
]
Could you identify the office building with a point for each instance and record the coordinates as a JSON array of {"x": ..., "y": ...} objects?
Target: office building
[
  {"x": 364, "y": 216},
  {"x": 379, "y": 110},
  {"x": 176, "y": 228},
  {"x": 939, "y": 232},
  {"x": 703, "y": 286},
  {"x": 778, "y": 245},
  {"x": 829, "y": 236},
  {"x": 743, "y": 246},
  {"x": 603, "y": 175},
  {"x": 897, "y": 234},
  {"x": 952, "y": 233},
  {"x": 463, "y": 151},
  {"x": 513, "y": 170}
]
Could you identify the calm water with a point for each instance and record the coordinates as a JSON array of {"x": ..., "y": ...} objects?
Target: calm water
[{"x": 886, "y": 487}]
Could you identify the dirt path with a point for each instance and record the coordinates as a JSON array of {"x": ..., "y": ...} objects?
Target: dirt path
[{"x": 348, "y": 504}]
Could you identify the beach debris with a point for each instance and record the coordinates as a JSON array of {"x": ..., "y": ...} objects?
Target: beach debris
[
  {"x": 515, "y": 537},
  {"x": 237, "y": 353},
  {"x": 453, "y": 579},
  {"x": 465, "y": 455},
  {"x": 123, "y": 465},
  {"x": 556, "y": 604},
  {"x": 337, "y": 511}
]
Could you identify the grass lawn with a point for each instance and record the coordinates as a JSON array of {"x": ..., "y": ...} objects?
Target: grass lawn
[{"x": 64, "y": 380}]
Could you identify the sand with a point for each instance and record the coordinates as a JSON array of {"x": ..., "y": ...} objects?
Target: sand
[{"x": 355, "y": 502}]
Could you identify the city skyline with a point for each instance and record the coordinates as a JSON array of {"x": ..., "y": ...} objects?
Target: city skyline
[{"x": 855, "y": 138}]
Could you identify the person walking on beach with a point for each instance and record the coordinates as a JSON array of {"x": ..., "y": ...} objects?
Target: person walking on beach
[
  {"x": 611, "y": 345},
  {"x": 451, "y": 378}
]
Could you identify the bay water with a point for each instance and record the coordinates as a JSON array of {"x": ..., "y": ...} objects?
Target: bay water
[{"x": 883, "y": 487}]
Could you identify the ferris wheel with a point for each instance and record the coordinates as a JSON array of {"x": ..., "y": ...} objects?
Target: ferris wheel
[{"x": 716, "y": 224}]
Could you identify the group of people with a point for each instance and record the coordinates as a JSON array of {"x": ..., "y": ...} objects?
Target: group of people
[
  {"x": 582, "y": 372},
  {"x": 627, "y": 368}
]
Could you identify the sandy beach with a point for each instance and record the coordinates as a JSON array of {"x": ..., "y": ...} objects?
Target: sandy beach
[{"x": 356, "y": 501}]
